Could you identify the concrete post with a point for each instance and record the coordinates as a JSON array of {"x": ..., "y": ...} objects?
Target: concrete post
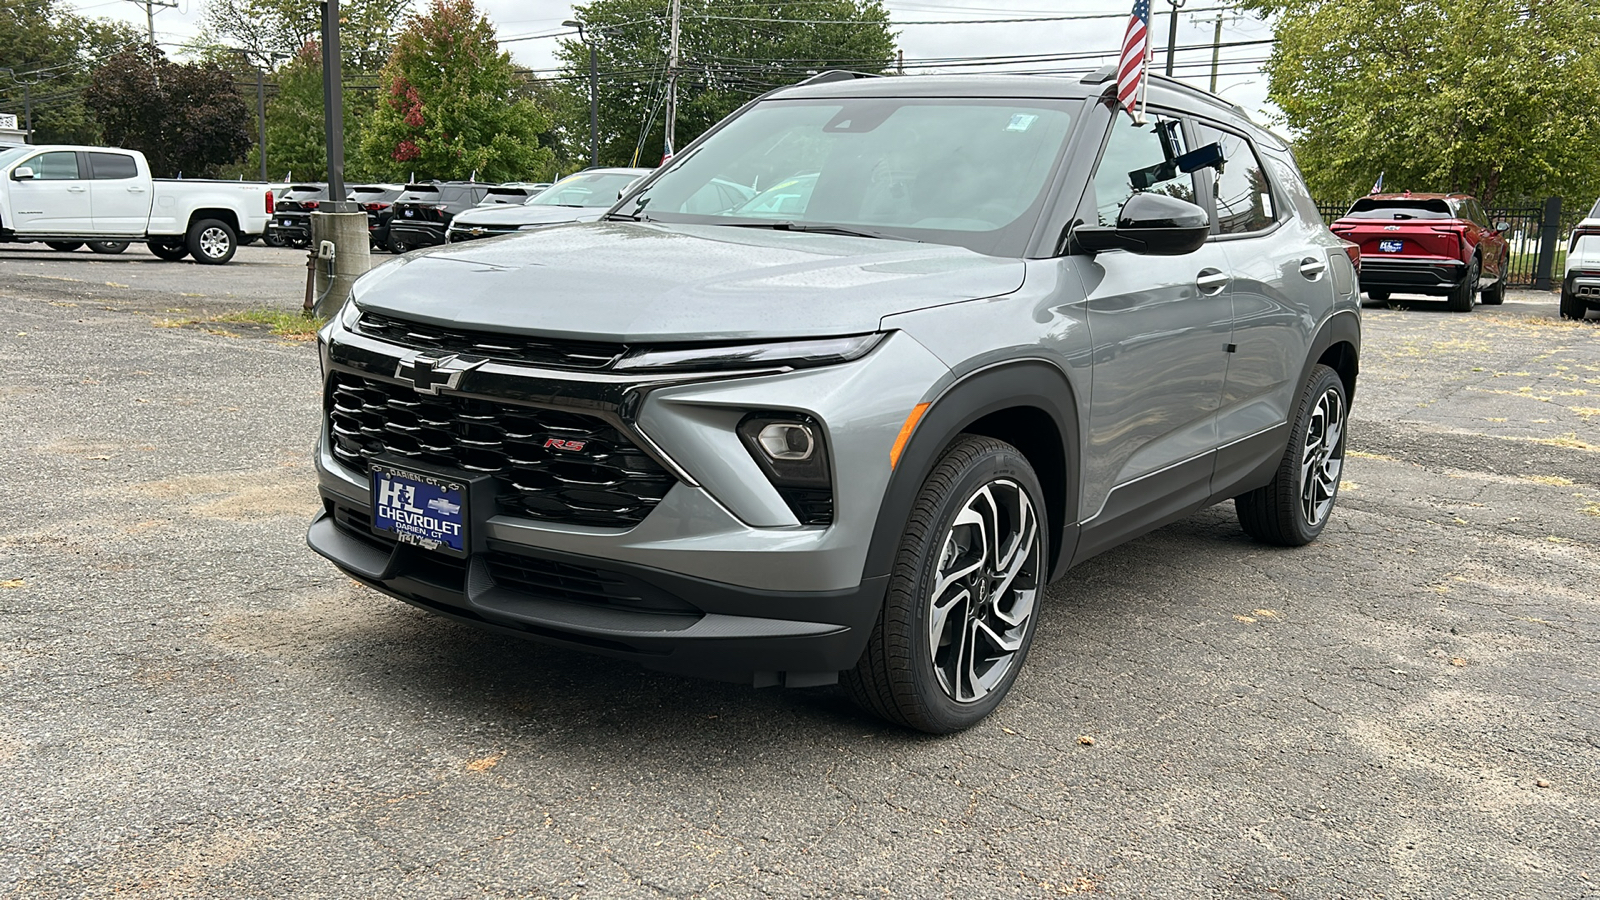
[{"x": 348, "y": 232}]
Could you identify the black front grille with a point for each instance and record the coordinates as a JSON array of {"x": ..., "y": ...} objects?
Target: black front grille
[
  {"x": 581, "y": 584},
  {"x": 608, "y": 482},
  {"x": 514, "y": 348}
]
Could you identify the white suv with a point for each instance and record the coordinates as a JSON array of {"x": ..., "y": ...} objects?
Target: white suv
[{"x": 1580, "y": 289}]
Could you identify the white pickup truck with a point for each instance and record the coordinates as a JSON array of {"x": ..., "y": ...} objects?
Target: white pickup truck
[{"x": 67, "y": 196}]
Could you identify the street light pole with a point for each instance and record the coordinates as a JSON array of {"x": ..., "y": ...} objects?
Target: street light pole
[
  {"x": 594, "y": 93},
  {"x": 1172, "y": 31}
]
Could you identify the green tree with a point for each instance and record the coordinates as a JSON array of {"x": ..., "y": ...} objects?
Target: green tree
[
  {"x": 52, "y": 50},
  {"x": 284, "y": 27},
  {"x": 296, "y": 133},
  {"x": 186, "y": 119},
  {"x": 451, "y": 104},
  {"x": 730, "y": 50},
  {"x": 1491, "y": 97}
]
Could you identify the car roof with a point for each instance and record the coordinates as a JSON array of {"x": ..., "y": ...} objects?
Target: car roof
[{"x": 1162, "y": 91}]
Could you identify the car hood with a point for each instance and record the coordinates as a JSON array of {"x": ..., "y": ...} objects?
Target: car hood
[
  {"x": 633, "y": 283},
  {"x": 517, "y": 216}
]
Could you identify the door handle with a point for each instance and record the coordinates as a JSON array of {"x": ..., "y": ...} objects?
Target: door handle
[
  {"x": 1312, "y": 268},
  {"x": 1212, "y": 281},
  {"x": 136, "y": 190},
  {"x": 77, "y": 189}
]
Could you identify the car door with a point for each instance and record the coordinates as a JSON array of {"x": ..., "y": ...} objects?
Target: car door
[
  {"x": 56, "y": 199},
  {"x": 1159, "y": 327},
  {"x": 119, "y": 200},
  {"x": 1281, "y": 290}
]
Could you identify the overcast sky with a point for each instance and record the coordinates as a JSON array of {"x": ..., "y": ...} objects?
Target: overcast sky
[{"x": 1239, "y": 80}]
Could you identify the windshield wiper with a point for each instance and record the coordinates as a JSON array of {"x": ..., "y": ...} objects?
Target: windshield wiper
[
  {"x": 822, "y": 229},
  {"x": 625, "y": 217}
]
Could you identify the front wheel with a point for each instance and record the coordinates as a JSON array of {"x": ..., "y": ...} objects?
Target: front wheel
[
  {"x": 963, "y": 598},
  {"x": 64, "y": 246},
  {"x": 169, "y": 250},
  {"x": 1294, "y": 507},
  {"x": 108, "y": 247},
  {"x": 212, "y": 242}
]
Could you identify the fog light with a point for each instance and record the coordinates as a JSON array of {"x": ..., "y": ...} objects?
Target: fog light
[{"x": 787, "y": 441}]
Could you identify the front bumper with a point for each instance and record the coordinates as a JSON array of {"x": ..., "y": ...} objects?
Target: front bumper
[
  {"x": 1416, "y": 276},
  {"x": 727, "y": 632},
  {"x": 746, "y": 591}
]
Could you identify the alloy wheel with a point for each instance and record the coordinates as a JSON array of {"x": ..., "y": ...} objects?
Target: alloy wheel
[
  {"x": 986, "y": 587},
  {"x": 1323, "y": 458},
  {"x": 214, "y": 242}
]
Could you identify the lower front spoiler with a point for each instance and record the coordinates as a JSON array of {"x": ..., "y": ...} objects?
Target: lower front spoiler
[{"x": 669, "y": 622}]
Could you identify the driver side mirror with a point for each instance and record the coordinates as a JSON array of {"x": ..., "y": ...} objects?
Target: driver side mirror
[
  {"x": 1502, "y": 227},
  {"x": 22, "y": 173},
  {"x": 1151, "y": 225}
]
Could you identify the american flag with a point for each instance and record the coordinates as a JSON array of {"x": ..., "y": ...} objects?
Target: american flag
[{"x": 1130, "y": 67}]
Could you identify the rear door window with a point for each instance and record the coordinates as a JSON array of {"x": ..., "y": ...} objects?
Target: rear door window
[
  {"x": 1399, "y": 208},
  {"x": 419, "y": 195},
  {"x": 1241, "y": 190},
  {"x": 112, "y": 166}
]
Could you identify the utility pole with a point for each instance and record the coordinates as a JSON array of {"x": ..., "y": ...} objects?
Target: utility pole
[
  {"x": 899, "y": 62},
  {"x": 594, "y": 92},
  {"x": 333, "y": 104},
  {"x": 341, "y": 249},
  {"x": 1216, "y": 44},
  {"x": 1172, "y": 31},
  {"x": 261, "y": 118},
  {"x": 672, "y": 80},
  {"x": 150, "y": 7}
]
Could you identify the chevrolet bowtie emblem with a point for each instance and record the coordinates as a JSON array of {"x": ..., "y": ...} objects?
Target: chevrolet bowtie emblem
[{"x": 428, "y": 373}]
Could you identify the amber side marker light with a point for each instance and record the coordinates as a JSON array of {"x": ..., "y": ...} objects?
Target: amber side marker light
[{"x": 905, "y": 433}]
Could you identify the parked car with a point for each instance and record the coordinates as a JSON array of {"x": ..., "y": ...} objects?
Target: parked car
[
  {"x": 1433, "y": 244},
  {"x": 576, "y": 198},
  {"x": 1580, "y": 288},
  {"x": 854, "y": 442},
  {"x": 513, "y": 194},
  {"x": 69, "y": 195},
  {"x": 377, "y": 200},
  {"x": 424, "y": 211},
  {"x": 291, "y": 219}
]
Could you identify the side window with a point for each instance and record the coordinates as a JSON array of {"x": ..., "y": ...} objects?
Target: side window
[
  {"x": 61, "y": 165},
  {"x": 1135, "y": 161},
  {"x": 109, "y": 166},
  {"x": 1242, "y": 193}
]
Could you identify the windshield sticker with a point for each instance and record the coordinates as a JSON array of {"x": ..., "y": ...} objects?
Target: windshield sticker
[{"x": 1021, "y": 122}]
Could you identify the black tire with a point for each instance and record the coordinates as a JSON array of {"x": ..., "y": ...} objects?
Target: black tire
[
  {"x": 1278, "y": 513},
  {"x": 1495, "y": 294},
  {"x": 1463, "y": 294},
  {"x": 296, "y": 242},
  {"x": 170, "y": 250},
  {"x": 1572, "y": 307},
  {"x": 1378, "y": 296},
  {"x": 272, "y": 239},
  {"x": 64, "y": 246},
  {"x": 905, "y": 675},
  {"x": 246, "y": 240},
  {"x": 108, "y": 247},
  {"x": 212, "y": 242}
]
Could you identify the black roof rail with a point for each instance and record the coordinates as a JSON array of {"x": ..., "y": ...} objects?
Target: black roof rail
[
  {"x": 835, "y": 75},
  {"x": 1100, "y": 76}
]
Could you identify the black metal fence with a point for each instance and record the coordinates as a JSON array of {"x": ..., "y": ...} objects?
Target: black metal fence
[{"x": 1537, "y": 235}]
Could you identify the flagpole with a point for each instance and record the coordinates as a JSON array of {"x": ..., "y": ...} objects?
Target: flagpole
[{"x": 1144, "y": 82}]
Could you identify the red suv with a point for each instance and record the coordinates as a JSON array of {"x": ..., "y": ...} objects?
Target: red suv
[{"x": 1436, "y": 244}]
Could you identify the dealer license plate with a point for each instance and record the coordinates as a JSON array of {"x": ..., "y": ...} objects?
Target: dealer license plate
[
  {"x": 423, "y": 510},
  {"x": 1391, "y": 246}
]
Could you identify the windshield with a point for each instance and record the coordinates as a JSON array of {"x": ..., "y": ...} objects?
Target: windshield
[
  {"x": 965, "y": 172},
  {"x": 594, "y": 190},
  {"x": 1367, "y": 208},
  {"x": 7, "y": 157}
]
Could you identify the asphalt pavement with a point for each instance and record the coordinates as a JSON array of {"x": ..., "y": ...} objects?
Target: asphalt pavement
[{"x": 192, "y": 704}]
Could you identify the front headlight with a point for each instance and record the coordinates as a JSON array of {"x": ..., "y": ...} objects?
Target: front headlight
[
  {"x": 791, "y": 354},
  {"x": 348, "y": 314}
]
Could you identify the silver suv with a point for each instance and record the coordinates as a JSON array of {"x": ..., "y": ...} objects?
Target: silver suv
[{"x": 838, "y": 392}]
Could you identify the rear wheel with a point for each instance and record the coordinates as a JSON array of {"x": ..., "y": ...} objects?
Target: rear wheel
[
  {"x": 109, "y": 247},
  {"x": 212, "y": 242},
  {"x": 272, "y": 239},
  {"x": 1571, "y": 306},
  {"x": 1462, "y": 295},
  {"x": 1495, "y": 294},
  {"x": 962, "y": 601},
  {"x": 64, "y": 246},
  {"x": 1293, "y": 509},
  {"x": 170, "y": 250}
]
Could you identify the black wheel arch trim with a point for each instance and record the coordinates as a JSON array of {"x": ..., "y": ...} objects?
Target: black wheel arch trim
[
  {"x": 1027, "y": 383},
  {"x": 1343, "y": 327}
]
